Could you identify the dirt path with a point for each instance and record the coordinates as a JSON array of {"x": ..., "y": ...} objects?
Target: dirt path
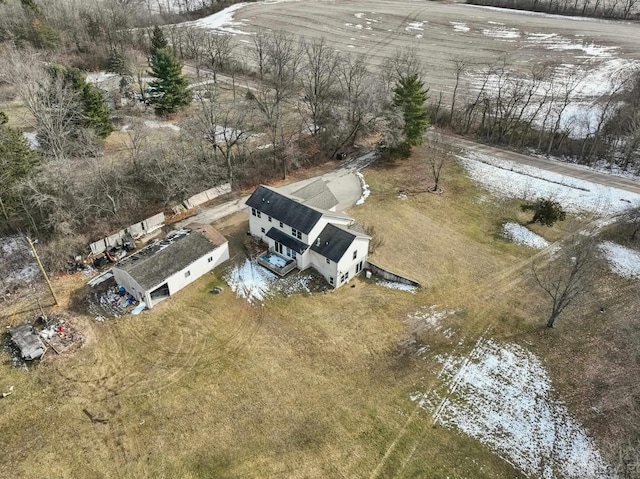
[{"x": 567, "y": 169}]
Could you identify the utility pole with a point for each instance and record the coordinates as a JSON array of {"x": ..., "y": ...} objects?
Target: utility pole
[{"x": 44, "y": 273}]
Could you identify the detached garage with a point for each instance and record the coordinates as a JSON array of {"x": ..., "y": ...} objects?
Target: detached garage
[{"x": 165, "y": 267}]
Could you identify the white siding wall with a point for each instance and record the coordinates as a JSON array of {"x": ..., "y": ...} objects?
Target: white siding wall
[
  {"x": 257, "y": 224},
  {"x": 348, "y": 264},
  {"x": 177, "y": 281},
  {"x": 124, "y": 279},
  {"x": 319, "y": 263}
]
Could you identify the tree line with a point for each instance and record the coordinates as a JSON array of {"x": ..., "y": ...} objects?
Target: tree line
[
  {"x": 301, "y": 100},
  {"x": 613, "y": 9},
  {"x": 542, "y": 109}
]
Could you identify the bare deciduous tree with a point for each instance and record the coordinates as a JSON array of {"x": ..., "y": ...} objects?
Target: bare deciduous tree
[
  {"x": 224, "y": 127},
  {"x": 566, "y": 275},
  {"x": 437, "y": 157},
  {"x": 319, "y": 82}
]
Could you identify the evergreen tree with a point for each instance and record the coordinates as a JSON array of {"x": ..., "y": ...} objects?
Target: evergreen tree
[
  {"x": 17, "y": 161},
  {"x": 410, "y": 96},
  {"x": 158, "y": 41},
  {"x": 95, "y": 112},
  {"x": 170, "y": 91},
  {"x": 117, "y": 63},
  {"x": 545, "y": 211}
]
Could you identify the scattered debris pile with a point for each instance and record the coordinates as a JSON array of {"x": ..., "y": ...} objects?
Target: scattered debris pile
[
  {"x": 26, "y": 339},
  {"x": 30, "y": 341},
  {"x": 111, "y": 302},
  {"x": 59, "y": 334}
]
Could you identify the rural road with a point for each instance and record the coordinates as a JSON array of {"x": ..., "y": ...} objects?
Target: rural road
[{"x": 561, "y": 168}]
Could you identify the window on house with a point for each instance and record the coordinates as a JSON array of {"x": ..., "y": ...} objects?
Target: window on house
[
  {"x": 294, "y": 232},
  {"x": 187, "y": 274},
  {"x": 253, "y": 212},
  {"x": 209, "y": 259},
  {"x": 269, "y": 219},
  {"x": 281, "y": 224},
  {"x": 355, "y": 254},
  {"x": 259, "y": 214},
  {"x": 262, "y": 229},
  {"x": 328, "y": 261},
  {"x": 330, "y": 279}
]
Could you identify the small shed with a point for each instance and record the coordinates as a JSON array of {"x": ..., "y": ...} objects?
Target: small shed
[
  {"x": 27, "y": 341},
  {"x": 165, "y": 267}
]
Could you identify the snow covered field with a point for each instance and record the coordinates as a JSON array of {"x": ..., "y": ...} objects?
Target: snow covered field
[
  {"x": 501, "y": 395},
  {"x": 511, "y": 180}
]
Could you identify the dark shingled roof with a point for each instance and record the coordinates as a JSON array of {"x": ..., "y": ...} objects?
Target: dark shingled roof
[
  {"x": 155, "y": 263},
  {"x": 285, "y": 209},
  {"x": 333, "y": 242},
  {"x": 287, "y": 240},
  {"x": 317, "y": 194}
]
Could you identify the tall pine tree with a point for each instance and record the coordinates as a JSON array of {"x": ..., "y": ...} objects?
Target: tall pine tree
[
  {"x": 158, "y": 41},
  {"x": 95, "y": 112},
  {"x": 170, "y": 92},
  {"x": 410, "y": 97},
  {"x": 17, "y": 162}
]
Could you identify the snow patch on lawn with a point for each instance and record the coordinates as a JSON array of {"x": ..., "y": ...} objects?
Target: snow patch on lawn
[
  {"x": 415, "y": 26},
  {"x": 17, "y": 264},
  {"x": 502, "y": 396},
  {"x": 429, "y": 317},
  {"x": 161, "y": 124},
  {"x": 253, "y": 282},
  {"x": 222, "y": 21},
  {"x": 365, "y": 189},
  {"x": 32, "y": 139},
  {"x": 459, "y": 27},
  {"x": 623, "y": 261},
  {"x": 501, "y": 32},
  {"x": 511, "y": 180},
  {"x": 522, "y": 235},
  {"x": 99, "y": 77},
  {"x": 395, "y": 285}
]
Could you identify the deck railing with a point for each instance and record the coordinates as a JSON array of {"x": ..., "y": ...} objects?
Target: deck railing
[{"x": 281, "y": 271}]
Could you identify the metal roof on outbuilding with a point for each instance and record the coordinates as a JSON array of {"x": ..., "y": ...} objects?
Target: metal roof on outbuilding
[{"x": 285, "y": 209}]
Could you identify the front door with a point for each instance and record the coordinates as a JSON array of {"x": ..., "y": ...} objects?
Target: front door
[{"x": 278, "y": 247}]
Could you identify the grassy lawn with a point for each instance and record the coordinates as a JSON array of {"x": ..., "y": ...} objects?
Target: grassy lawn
[{"x": 318, "y": 386}]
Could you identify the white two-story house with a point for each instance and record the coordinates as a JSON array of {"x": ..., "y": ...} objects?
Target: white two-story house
[{"x": 302, "y": 236}]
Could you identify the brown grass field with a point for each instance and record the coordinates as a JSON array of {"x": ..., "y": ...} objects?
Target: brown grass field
[
  {"x": 318, "y": 386},
  {"x": 377, "y": 29}
]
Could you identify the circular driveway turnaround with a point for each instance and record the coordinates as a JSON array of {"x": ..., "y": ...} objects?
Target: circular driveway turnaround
[{"x": 343, "y": 183}]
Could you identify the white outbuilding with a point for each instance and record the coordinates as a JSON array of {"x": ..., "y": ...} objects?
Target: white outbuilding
[{"x": 163, "y": 268}]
